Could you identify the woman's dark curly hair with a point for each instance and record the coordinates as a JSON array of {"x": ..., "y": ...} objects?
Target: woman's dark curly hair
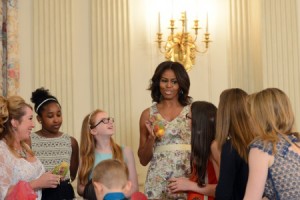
[{"x": 182, "y": 79}]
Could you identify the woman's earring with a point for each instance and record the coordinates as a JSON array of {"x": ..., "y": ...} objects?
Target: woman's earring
[{"x": 181, "y": 92}]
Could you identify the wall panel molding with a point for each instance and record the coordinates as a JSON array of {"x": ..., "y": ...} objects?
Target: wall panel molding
[
  {"x": 264, "y": 47},
  {"x": 111, "y": 87},
  {"x": 52, "y": 53},
  {"x": 281, "y": 49},
  {"x": 244, "y": 45}
]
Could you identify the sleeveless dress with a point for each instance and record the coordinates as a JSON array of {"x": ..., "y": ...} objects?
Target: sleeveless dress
[
  {"x": 103, "y": 156},
  {"x": 13, "y": 170},
  {"x": 52, "y": 152},
  {"x": 89, "y": 191},
  {"x": 283, "y": 180},
  {"x": 210, "y": 178},
  {"x": 171, "y": 157}
]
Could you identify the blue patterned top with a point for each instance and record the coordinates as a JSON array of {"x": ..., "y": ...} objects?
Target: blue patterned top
[{"x": 283, "y": 181}]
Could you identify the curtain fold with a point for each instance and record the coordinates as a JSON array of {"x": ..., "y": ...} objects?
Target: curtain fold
[{"x": 9, "y": 48}]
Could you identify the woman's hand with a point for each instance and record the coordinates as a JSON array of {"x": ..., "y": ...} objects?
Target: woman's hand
[
  {"x": 46, "y": 180},
  {"x": 49, "y": 180},
  {"x": 147, "y": 138},
  {"x": 184, "y": 184},
  {"x": 149, "y": 126},
  {"x": 178, "y": 184}
]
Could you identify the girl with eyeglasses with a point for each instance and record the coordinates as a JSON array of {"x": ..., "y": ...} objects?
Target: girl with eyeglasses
[{"x": 96, "y": 145}]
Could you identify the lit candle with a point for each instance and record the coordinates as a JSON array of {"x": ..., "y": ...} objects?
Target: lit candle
[
  {"x": 172, "y": 9},
  {"x": 159, "y": 22},
  {"x": 207, "y": 22},
  {"x": 186, "y": 21}
]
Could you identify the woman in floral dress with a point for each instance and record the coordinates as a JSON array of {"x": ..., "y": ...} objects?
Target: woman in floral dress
[{"x": 164, "y": 130}]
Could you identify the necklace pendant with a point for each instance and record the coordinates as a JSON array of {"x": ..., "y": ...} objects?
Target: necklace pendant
[{"x": 22, "y": 153}]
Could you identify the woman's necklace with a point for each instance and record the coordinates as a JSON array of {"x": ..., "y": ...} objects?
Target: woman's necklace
[{"x": 22, "y": 153}]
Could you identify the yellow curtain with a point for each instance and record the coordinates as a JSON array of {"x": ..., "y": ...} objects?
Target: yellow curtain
[{"x": 9, "y": 48}]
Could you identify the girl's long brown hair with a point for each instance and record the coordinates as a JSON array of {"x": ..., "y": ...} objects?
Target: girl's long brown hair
[
  {"x": 87, "y": 148},
  {"x": 234, "y": 121},
  {"x": 203, "y": 134}
]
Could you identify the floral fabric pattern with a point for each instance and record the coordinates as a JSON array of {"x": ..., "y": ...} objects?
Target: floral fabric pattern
[
  {"x": 9, "y": 48},
  {"x": 169, "y": 163}
]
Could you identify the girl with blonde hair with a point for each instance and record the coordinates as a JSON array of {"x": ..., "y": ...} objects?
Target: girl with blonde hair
[
  {"x": 96, "y": 145},
  {"x": 274, "y": 158},
  {"x": 19, "y": 167}
]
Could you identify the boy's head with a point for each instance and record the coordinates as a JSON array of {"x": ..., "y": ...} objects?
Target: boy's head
[{"x": 111, "y": 176}]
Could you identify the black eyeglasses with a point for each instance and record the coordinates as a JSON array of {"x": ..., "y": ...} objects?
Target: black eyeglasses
[
  {"x": 188, "y": 116},
  {"x": 104, "y": 121}
]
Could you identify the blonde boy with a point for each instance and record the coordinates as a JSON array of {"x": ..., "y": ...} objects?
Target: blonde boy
[{"x": 110, "y": 180}]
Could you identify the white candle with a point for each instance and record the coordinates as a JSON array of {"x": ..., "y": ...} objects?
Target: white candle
[
  {"x": 172, "y": 9},
  {"x": 207, "y": 22},
  {"x": 186, "y": 22},
  {"x": 159, "y": 22}
]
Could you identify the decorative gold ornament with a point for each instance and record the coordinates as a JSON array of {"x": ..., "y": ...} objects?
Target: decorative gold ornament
[{"x": 181, "y": 47}]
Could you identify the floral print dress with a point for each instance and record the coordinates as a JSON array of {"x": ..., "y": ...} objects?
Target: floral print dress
[{"x": 171, "y": 157}]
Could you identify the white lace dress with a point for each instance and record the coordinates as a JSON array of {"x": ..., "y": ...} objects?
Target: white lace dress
[{"x": 13, "y": 169}]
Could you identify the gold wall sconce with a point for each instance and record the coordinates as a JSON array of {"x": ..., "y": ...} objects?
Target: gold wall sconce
[{"x": 182, "y": 46}]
